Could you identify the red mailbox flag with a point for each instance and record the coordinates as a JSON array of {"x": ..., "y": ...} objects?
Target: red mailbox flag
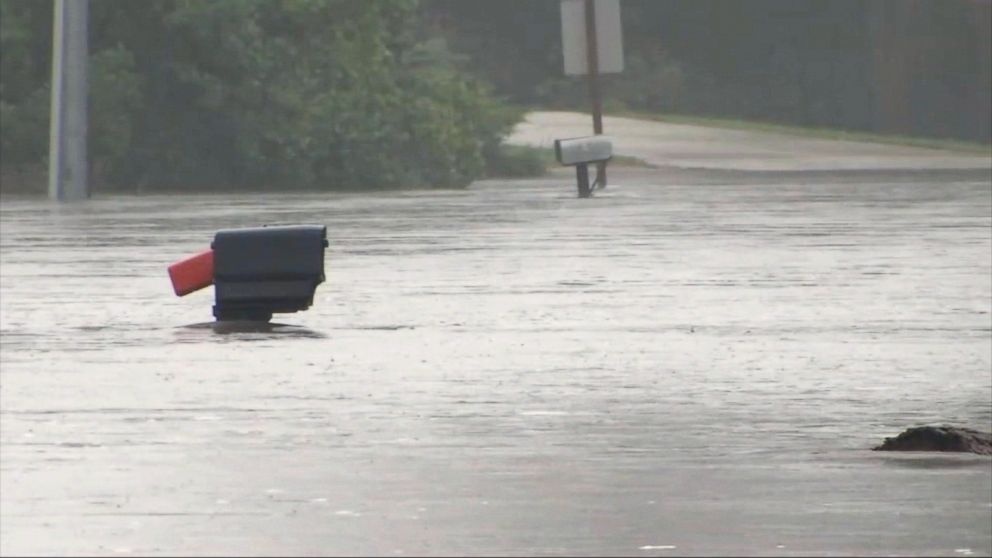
[{"x": 192, "y": 274}]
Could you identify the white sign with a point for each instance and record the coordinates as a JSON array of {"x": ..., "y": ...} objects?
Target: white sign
[{"x": 609, "y": 40}]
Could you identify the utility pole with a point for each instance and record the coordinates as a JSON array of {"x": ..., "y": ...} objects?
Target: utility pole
[{"x": 67, "y": 154}]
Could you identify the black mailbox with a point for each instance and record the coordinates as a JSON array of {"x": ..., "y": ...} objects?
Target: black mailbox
[{"x": 261, "y": 271}]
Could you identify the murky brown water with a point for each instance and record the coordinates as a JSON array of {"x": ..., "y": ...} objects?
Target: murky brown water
[{"x": 685, "y": 369}]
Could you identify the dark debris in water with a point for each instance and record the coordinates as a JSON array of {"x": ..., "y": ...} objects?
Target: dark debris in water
[{"x": 940, "y": 438}]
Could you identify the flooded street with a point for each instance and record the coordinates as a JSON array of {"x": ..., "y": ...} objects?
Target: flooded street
[{"x": 688, "y": 368}]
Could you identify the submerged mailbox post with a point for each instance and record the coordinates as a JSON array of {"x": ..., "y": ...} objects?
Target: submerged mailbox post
[
  {"x": 257, "y": 272},
  {"x": 580, "y": 152}
]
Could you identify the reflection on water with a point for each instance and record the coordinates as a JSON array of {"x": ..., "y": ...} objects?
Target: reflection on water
[
  {"x": 271, "y": 329},
  {"x": 506, "y": 370},
  {"x": 932, "y": 460}
]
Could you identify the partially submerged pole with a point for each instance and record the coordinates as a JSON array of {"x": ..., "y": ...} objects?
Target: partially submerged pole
[{"x": 67, "y": 152}]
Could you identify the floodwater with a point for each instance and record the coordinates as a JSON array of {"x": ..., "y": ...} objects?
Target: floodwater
[{"x": 684, "y": 369}]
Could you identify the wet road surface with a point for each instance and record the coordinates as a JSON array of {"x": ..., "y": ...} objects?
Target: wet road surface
[
  {"x": 681, "y": 369},
  {"x": 689, "y": 146}
]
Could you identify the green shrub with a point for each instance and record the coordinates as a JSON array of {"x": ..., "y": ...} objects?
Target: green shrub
[
  {"x": 518, "y": 161},
  {"x": 213, "y": 94}
]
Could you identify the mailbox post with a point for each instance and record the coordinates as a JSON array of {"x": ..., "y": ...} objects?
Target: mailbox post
[{"x": 582, "y": 152}]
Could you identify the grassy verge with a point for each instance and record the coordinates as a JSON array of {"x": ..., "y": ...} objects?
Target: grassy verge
[
  {"x": 822, "y": 133},
  {"x": 24, "y": 181}
]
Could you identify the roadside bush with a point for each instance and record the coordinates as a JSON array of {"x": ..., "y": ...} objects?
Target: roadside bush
[{"x": 235, "y": 94}]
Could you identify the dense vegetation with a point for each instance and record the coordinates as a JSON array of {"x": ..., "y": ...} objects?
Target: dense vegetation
[
  {"x": 355, "y": 94},
  {"x": 909, "y": 67},
  {"x": 327, "y": 94}
]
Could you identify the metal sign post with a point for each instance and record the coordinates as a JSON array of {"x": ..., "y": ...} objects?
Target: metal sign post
[
  {"x": 592, "y": 57},
  {"x": 67, "y": 153},
  {"x": 592, "y": 44}
]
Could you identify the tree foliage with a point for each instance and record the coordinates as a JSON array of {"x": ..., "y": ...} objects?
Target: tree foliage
[
  {"x": 255, "y": 94},
  {"x": 352, "y": 94},
  {"x": 916, "y": 67}
]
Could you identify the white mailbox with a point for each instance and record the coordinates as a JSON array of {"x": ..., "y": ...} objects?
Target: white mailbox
[
  {"x": 580, "y": 153},
  {"x": 589, "y": 149}
]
